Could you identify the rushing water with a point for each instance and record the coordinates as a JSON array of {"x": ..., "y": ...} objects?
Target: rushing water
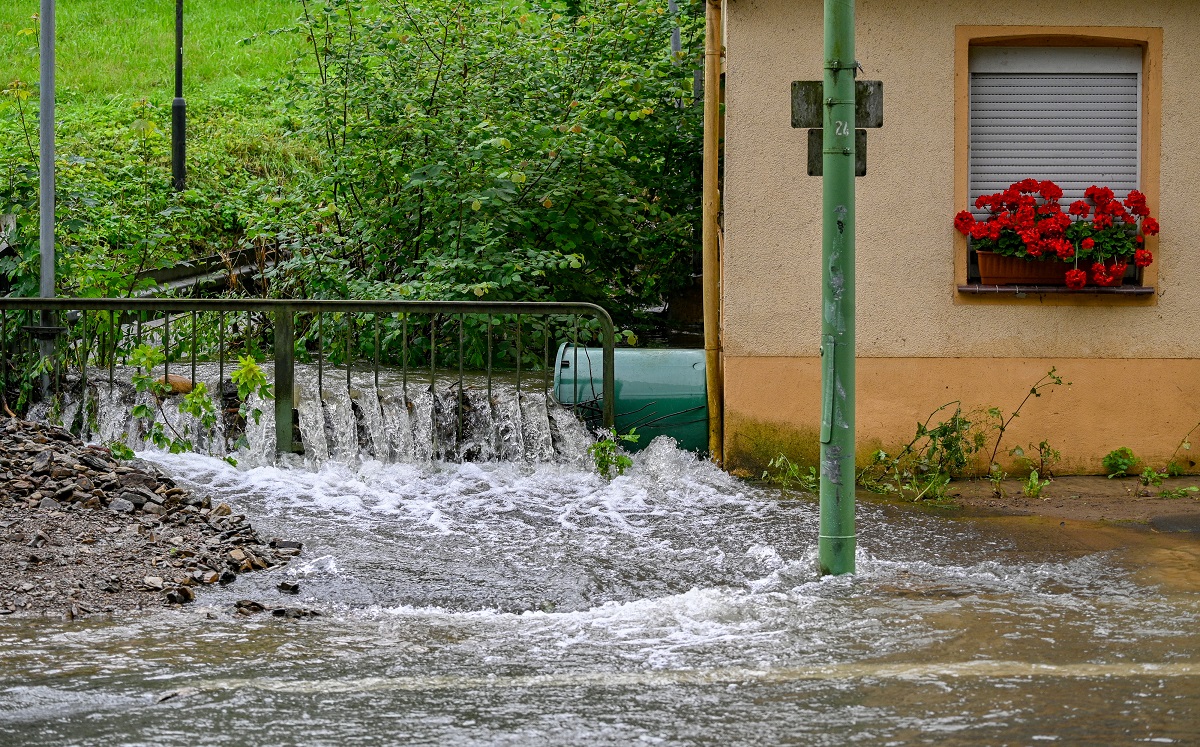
[{"x": 527, "y": 601}]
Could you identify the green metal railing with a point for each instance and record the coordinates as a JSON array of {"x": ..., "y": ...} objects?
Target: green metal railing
[{"x": 118, "y": 322}]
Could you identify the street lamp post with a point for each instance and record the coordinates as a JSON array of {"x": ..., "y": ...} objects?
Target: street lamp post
[
  {"x": 46, "y": 179},
  {"x": 179, "y": 110}
]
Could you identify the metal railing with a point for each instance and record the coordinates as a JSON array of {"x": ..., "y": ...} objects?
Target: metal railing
[{"x": 119, "y": 323}]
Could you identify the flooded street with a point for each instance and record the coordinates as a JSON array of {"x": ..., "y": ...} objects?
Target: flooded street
[{"x": 536, "y": 603}]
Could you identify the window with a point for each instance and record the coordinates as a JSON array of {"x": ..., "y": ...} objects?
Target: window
[
  {"x": 1078, "y": 106},
  {"x": 1067, "y": 114}
]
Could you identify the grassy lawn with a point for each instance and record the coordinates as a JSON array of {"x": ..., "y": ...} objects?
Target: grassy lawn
[{"x": 124, "y": 48}]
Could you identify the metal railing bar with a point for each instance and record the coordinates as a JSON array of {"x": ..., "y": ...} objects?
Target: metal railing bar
[
  {"x": 433, "y": 402},
  {"x": 166, "y": 340},
  {"x": 221, "y": 355},
  {"x": 320, "y": 357},
  {"x": 112, "y": 353},
  {"x": 251, "y": 304},
  {"x": 375, "y": 319},
  {"x": 546, "y": 354},
  {"x": 193, "y": 348},
  {"x": 459, "y": 434},
  {"x": 575, "y": 364},
  {"x": 546, "y": 376},
  {"x": 83, "y": 388},
  {"x": 4, "y": 354}
]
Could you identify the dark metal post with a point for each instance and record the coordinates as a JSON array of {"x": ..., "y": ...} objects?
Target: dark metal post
[
  {"x": 46, "y": 176},
  {"x": 285, "y": 378},
  {"x": 179, "y": 110}
]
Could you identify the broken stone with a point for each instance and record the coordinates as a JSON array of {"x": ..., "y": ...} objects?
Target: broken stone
[
  {"x": 41, "y": 463},
  {"x": 180, "y": 595},
  {"x": 248, "y": 606},
  {"x": 121, "y": 506}
]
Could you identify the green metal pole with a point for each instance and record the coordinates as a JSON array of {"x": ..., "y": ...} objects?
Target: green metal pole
[{"x": 836, "y": 542}]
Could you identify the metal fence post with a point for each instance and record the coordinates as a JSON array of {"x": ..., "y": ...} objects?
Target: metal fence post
[
  {"x": 285, "y": 378},
  {"x": 609, "y": 389}
]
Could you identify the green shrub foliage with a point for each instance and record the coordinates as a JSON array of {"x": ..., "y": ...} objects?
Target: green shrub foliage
[{"x": 499, "y": 150}]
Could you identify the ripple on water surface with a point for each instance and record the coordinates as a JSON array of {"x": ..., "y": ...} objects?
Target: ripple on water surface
[{"x": 507, "y": 603}]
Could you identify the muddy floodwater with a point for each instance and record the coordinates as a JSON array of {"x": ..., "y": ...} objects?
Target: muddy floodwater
[{"x": 523, "y": 603}]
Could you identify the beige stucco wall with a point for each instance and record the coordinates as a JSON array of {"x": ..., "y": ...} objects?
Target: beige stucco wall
[
  {"x": 905, "y": 203},
  {"x": 987, "y": 354}
]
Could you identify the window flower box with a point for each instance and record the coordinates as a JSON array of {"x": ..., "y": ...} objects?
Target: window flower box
[{"x": 1027, "y": 238}]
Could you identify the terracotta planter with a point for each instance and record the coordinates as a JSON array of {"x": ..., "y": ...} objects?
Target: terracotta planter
[{"x": 995, "y": 269}]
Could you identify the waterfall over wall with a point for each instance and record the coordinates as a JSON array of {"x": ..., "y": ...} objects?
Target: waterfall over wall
[{"x": 389, "y": 418}]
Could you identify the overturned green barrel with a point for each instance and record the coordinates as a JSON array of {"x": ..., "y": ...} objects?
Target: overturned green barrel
[{"x": 658, "y": 391}]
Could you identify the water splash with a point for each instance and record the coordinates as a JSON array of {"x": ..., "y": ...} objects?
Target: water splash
[{"x": 391, "y": 419}]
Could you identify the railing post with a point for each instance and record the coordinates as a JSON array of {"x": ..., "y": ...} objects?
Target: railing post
[
  {"x": 285, "y": 378},
  {"x": 610, "y": 378}
]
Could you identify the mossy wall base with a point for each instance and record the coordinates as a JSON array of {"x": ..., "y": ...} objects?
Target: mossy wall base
[{"x": 772, "y": 405}]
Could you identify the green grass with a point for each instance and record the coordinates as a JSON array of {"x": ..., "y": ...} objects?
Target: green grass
[{"x": 124, "y": 48}]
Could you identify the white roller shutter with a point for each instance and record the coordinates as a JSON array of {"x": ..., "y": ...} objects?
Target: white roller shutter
[{"x": 1068, "y": 114}]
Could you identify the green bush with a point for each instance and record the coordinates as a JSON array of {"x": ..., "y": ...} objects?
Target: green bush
[{"x": 500, "y": 150}]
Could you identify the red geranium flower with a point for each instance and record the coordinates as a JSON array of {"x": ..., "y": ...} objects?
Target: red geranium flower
[
  {"x": 1099, "y": 195},
  {"x": 1049, "y": 190},
  {"x": 1136, "y": 202},
  {"x": 1076, "y": 279},
  {"x": 1100, "y": 275},
  {"x": 1026, "y": 221}
]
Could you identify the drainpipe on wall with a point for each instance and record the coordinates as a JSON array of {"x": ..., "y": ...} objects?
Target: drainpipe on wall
[{"x": 710, "y": 233}]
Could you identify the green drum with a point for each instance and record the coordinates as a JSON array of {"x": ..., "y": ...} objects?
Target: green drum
[{"x": 658, "y": 391}]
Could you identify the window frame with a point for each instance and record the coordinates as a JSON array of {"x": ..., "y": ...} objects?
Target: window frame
[{"x": 1149, "y": 40}]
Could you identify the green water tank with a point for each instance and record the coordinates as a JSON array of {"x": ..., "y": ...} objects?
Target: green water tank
[{"x": 658, "y": 391}]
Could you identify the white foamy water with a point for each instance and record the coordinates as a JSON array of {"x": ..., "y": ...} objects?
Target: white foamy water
[{"x": 529, "y": 601}]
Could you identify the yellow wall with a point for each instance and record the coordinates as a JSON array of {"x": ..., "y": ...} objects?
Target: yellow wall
[{"x": 907, "y": 306}]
